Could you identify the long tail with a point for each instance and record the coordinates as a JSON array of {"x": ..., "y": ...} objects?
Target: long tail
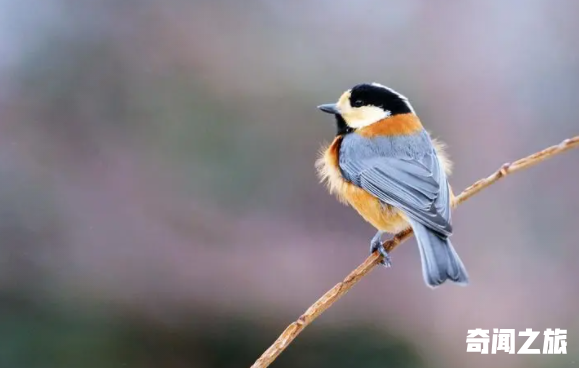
[{"x": 439, "y": 259}]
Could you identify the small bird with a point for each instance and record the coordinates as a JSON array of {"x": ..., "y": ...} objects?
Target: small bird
[{"x": 384, "y": 164}]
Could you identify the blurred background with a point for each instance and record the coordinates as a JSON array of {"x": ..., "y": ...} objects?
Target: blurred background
[{"x": 159, "y": 205}]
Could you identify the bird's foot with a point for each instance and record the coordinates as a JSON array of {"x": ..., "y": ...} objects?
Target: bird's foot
[{"x": 377, "y": 245}]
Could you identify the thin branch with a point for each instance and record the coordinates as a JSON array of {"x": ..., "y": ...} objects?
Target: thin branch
[{"x": 329, "y": 298}]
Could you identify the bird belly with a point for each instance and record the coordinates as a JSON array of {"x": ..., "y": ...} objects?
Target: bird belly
[{"x": 382, "y": 216}]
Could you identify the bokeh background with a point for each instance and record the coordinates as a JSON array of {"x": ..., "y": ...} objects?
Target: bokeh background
[{"x": 158, "y": 201}]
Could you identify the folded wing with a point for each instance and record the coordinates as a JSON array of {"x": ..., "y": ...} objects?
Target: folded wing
[{"x": 417, "y": 186}]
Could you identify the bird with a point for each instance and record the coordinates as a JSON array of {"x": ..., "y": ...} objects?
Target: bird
[{"x": 384, "y": 164}]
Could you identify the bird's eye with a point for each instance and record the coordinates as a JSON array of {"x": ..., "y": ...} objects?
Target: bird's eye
[{"x": 357, "y": 103}]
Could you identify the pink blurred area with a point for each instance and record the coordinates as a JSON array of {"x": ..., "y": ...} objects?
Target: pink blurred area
[{"x": 157, "y": 157}]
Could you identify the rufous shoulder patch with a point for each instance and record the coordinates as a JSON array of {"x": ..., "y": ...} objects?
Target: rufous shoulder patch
[{"x": 404, "y": 124}]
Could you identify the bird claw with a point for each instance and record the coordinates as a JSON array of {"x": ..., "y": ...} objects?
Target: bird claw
[{"x": 377, "y": 245}]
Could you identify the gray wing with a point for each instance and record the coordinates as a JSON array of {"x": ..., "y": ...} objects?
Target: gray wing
[{"x": 416, "y": 186}]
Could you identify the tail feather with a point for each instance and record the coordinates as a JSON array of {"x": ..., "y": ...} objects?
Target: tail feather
[{"x": 440, "y": 262}]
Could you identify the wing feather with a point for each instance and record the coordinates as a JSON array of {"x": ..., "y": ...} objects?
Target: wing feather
[{"x": 416, "y": 186}]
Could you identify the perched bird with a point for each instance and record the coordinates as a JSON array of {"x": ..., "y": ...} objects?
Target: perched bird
[{"x": 384, "y": 164}]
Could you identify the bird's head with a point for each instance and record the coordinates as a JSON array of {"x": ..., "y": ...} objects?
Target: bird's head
[{"x": 366, "y": 104}]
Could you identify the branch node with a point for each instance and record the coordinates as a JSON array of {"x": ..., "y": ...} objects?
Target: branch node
[{"x": 504, "y": 170}]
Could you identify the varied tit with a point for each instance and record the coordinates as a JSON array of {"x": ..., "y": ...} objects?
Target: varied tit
[{"x": 384, "y": 164}]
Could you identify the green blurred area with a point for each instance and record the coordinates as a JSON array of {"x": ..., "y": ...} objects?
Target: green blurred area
[{"x": 44, "y": 334}]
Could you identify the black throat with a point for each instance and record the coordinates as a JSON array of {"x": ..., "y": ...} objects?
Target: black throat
[{"x": 341, "y": 126}]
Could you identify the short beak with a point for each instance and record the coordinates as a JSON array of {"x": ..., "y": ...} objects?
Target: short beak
[{"x": 329, "y": 108}]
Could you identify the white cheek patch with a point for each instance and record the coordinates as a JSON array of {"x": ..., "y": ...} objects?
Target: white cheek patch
[{"x": 360, "y": 117}]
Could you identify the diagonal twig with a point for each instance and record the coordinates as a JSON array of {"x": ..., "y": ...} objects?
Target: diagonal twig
[{"x": 335, "y": 293}]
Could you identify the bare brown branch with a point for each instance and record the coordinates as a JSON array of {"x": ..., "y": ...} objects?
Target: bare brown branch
[{"x": 329, "y": 298}]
